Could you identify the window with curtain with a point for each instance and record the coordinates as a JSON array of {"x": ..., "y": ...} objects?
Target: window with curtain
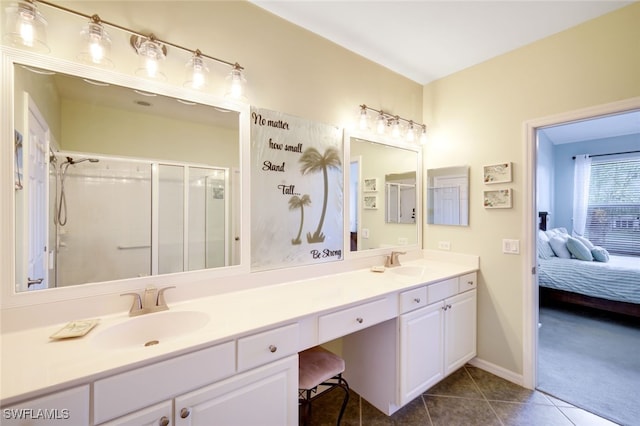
[{"x": 613, "y": 214}]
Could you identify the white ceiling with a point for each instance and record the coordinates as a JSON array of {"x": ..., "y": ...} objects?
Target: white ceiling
[{"x": 425, "y": 40}]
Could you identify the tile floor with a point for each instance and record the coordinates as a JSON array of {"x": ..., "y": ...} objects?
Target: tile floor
[{"x": 470, "y": 396}]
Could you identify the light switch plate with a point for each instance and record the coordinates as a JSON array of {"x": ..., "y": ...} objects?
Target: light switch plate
[
  {"x": 511, "y": 246},
  {"x": 365, "y": 232}
]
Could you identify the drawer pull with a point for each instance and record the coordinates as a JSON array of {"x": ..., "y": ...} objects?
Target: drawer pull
[
  {"x": 273, "y": 348},
  {"x": 164, "y": 421},
  {"x": 184, "y": 413},
  {"x": 417, "y": 300},
  {"x": 470, "y": 282},
  {"x": 360, "y": 320}
]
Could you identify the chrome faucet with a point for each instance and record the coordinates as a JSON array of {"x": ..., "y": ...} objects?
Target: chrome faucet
[
  {"x": 152, "y": 300},
  {"x": 391, "y": 260}
]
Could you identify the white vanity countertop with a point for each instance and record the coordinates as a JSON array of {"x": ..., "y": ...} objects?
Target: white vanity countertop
[{"x": 33, "y": 365}]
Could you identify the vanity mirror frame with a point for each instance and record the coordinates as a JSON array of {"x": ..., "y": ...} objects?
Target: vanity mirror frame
[
  {"x": 388, "y": 141},
  {"x": 10, "y": 298}
]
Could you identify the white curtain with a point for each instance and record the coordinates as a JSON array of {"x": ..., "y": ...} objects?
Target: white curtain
[{"x": 581, "y": 180}]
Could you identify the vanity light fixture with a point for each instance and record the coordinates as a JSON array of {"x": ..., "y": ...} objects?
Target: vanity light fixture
[
  {"x": 385, "y": 121},
  {"x": 26, "y": 29},
  {"x": 236, "y": 83},
  {"x": 96, "y": 47},
  {"x": 151, "y": 53},
  {"x": 197, "y": 71}
]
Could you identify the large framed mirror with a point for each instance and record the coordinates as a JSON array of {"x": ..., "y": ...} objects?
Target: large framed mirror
[
  {"x": 116, "y": 178},
  {"x": 448, "y": 196},
  {"x": 384, "y": 192}
]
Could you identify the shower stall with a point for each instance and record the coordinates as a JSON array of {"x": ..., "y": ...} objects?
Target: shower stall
[{"x": 114, "y": 218}]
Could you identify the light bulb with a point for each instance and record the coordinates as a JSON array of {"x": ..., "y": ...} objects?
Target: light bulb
[
  {"x": 395, "y": 128},
  {"x": 235, "y": 84},
  {"x": 411, "y": 132},
  {"x": 196, "y": 71},
  {"x": 97, "y": 44},
  {"x": 423, "y": 135},
  {"x": 151, "y": 53},
  {"x": 26, "y": 27},
  {"x": 363, "y": 123},
  {"x": 381, "y": 123}
]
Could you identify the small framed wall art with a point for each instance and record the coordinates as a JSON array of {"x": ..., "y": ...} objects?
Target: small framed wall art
[
  {"x": 497, "y": 173},
  {"x": 371, "y": 202},
  {"x": 498, "y": 199},
  {"x": 370, "y": 185}
]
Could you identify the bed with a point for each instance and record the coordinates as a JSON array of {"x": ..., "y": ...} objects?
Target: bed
[{"x": 612, "y": 285}]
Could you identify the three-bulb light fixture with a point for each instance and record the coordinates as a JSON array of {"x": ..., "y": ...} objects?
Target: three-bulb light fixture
[
  {"x": 26, "y": 28},
  {"x": 387, "y": 124}
]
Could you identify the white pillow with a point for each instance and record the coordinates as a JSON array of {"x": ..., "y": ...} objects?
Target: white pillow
[
  {"x": 559, "y": 246},
  {"x": 543, "y": 235},
  {"x": 556, "y": 231}
]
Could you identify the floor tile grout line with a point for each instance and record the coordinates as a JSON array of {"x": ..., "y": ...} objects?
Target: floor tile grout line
[
  {"x": 424, "y": 402},
  {"x": 483, "y": 395},
  {"x": 565, "y": 416}
]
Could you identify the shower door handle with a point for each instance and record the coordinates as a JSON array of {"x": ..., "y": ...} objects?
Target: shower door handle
[{"x": 32, "y": 282}]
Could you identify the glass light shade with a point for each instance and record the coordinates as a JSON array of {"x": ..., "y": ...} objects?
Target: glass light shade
[
  {"x": 151, "y": 53},
  {"x": 423, "y": 135},
  {"x": 363, "y": 119},
  {"x": 411, "y": 132},
  {"x": 26, "y": 27},
  {"x": 96, "y": 47},
  {"x": 395, "y": 128},
  {"x": 381, "y": 124},
  {"x": 236, "y": 84},
  {"x": 197, "y": 72}
]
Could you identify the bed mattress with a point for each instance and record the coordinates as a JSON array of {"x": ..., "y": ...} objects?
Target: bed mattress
[{"x": 618, "y": 279}]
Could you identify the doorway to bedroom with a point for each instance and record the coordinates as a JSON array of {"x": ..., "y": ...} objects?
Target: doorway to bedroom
[{"x": 587, "y": 245}]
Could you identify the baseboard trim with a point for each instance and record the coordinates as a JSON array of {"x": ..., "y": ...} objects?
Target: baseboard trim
[{"x": 509, "y": 375}]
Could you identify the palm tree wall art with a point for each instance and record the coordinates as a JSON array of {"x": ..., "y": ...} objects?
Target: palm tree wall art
[{"x": 313, "y": 162}]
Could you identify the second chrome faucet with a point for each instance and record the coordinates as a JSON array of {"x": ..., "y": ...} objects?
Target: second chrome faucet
[{"x": 151, "y": 300}]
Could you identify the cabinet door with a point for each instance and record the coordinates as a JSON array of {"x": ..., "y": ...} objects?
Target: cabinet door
[
  {"x": 66, "y": 407},
  {"x": 156, "y": 415},
  {"x": 421, "y": 350},
  {"x": 265, "y": 396},
  {"x": 460, "y": 330}
]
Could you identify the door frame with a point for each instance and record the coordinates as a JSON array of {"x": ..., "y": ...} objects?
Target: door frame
[{"x": 530, "y": 221}]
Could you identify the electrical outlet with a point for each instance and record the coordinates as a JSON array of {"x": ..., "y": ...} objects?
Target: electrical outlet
[
  {"x": 365, "y": 232},
  {"x": 403, "y": 241},
  {"x": 444, "y": 245},
  {"x": 511, "y": 246}
]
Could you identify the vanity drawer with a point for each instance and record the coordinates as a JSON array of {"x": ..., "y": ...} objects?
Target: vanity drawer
[
  {"x": 346, "y": 321},
  {"x": 133, "y": 390},
  {"x": 413, "y": 299},
  {"x": 467, "y": 282},
  {"x": 441, "y": 290},
  {"x": 267, "y": 346}
]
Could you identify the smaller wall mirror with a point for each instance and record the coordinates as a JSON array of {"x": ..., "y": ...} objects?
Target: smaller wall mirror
[
  {"x": 383, "y": 190},
  {"x": 448, "y": 196}
]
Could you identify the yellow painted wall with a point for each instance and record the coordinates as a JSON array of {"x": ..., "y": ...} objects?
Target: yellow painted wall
[{"x": 476, "y": 117}]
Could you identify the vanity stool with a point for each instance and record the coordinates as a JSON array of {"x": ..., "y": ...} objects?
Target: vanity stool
[{"x": 319, "y": 367}]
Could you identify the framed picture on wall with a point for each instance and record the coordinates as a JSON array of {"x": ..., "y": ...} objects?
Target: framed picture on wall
[
  {"x": 370, "y": 202},
  {"x": 497, "y": 173},
  {"x": 370, "y": 185},
  {"x": 498, "y": 199}
]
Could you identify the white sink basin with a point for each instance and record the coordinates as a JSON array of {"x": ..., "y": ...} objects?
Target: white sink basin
[
  {"x": 409, "y": 270},
  {"x": 150, "y": 329}
]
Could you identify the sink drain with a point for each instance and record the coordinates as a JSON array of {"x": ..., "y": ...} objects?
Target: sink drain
[{"x": 152, "y": 342}]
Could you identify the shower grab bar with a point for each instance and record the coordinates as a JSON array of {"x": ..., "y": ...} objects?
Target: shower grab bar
[{"x": 133, "y": 247}]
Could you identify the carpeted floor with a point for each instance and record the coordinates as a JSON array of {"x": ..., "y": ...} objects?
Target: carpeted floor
[{"x": 591, "y": 360}]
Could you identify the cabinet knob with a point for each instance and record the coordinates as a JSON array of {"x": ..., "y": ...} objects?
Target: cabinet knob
[
  {"x": 417, "y": 300},
  {"x": 448, "y": 306},
  {"x": 164, "y": 421},
  {"x": 184, "y": 413},
  {"x": 470, "y": 282},
  {"x": 360, "y": 320},
  {"x": 273, "y": 348}
]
